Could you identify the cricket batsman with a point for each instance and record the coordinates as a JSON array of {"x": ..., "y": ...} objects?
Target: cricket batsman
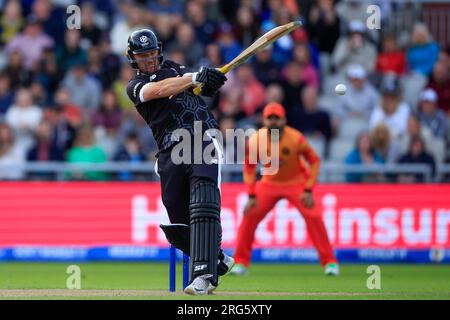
[
  {"x": 293, "y": 181},
  {"x": 162, "y": 92}
]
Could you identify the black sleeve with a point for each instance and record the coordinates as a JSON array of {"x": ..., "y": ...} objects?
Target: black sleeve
[{"x": 133, "y": 89}]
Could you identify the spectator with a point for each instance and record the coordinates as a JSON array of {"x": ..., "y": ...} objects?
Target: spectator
[
  {"x": 247, "y": 26},
  {"x": 131, "y": 151},
  {"x": 213, "y": 57},
  {"x": 52, "y": 17},
  {"x": 274, "y": 93},
  {"x": 363, "y": 153},
  {"x": 349, "y": 10},
  {"x": 135, "y": 123},
  {"x": 70, "y": 53},
  {"x": 72, "y": 113},
  {"x": 382, "y": 143},
  {"x": 292, "y": 85},
  {"x": 423, "y": 52},
  {"x": 30, "y": 44},
  {"x": 283, "y": 47},
  {"x": 24, "y": 117},
  {"x": 120, "y": 88},
  {"x": 416, "y": 155},
  {"x": 391, "y": 59},
  {"x": 44, "y": 150},
  {"x": 85, "y": 152},
  {"x": 229, "y": 46},
  {"x": 85, "y": 91},
  {"x": 392, "y": 111},
  {"x": 90, "y": 33},
  {"x": 109, "y": 115},
  {"x": 204, "y": 28},
  {"x": 19, "y": 76},
  {"x": 171, "y": 8},
  {"x": 252, "y": 91},
  {"x": 63, "y": 135},
  {"x": 120, "y": 30},
  {"x": 11, "y": 21},
  {"x": 430, "y": 116},
  {"x": 49, "y": 74},
  {"x": 311, "y": 120},
  {"x": 111, "y": 64},
  {"x": 323, "y": 28},
  {"x": 107, "y": 120},
  {"x": 300, "y": 37},
  {"x": 6, "y": 94},
  {"x": 265, "y": 68},
  {"x": 308, "y": 74},
  {"x": 414, "y": 129},
  {"x": 10, "y": 154},
  {"x": 186, "y": 42},
  {"x": 361, "y": 97},
  {"x": 354, "y": 49},
  {"x": 95, "y": 65},
  {"x": 39, "y": 95},
  {"x": 440, "y": 83}
]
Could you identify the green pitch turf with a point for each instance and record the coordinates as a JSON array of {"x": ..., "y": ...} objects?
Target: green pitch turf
[{"x": 265, "y": 281}]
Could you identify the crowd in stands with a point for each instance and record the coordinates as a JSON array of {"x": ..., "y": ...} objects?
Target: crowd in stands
[{"x": 63, "y": 97}]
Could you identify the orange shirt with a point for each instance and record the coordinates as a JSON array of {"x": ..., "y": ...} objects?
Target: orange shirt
[{"x": 298, "y": 162}]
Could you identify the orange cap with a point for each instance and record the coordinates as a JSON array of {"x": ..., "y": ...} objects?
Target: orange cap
[{"x": 274, "y": 109}]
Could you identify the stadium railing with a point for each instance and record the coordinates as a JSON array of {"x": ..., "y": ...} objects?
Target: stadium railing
[{"x": 329, "y": 172}]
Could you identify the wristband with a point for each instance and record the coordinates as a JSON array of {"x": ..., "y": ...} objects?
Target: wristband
[{"x": 194, "y": 78}]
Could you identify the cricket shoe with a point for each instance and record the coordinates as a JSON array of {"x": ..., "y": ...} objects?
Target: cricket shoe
[
  {"x": 332, "y": 269},
  {"x": 225, "y": 265},
  {"x": 200, "y": 286},
  {"x": 239, "y": 270}
]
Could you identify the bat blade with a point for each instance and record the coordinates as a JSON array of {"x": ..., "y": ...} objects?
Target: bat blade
[{"x": 262, "y": 42}]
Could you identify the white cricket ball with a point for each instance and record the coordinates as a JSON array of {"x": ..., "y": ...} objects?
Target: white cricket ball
[{"x": 340, "y": 89}]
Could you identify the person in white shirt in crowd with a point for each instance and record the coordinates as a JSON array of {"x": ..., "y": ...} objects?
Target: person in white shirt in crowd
[
  {"x": 361, "y": 97},
  {"x": 24, "y": 117},
  {"x": 391, "y": 111},
  {"x": 10, "y": 154},
  {"x": 354, "y": 48},
  {"x": 133, "y": 20},
  {"x": 432, "y": 117},
  {"x": 85, "y": 91}
]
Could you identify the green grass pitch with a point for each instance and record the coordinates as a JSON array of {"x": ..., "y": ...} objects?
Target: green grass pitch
[{"x": 265, "y": 281}]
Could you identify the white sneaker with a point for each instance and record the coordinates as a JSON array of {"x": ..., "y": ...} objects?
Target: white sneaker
[
  {"x": 332, "y": 269},
  {"x": 200, "y": 286}
]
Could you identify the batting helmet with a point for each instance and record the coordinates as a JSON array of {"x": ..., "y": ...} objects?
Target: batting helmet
[{"x": 141, "y": 41}]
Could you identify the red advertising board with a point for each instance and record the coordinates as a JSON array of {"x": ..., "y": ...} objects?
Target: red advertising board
[{"x": 97, "y": 214}]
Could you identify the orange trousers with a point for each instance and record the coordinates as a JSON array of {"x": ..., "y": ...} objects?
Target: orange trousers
[{"x": 266, "y": 197}]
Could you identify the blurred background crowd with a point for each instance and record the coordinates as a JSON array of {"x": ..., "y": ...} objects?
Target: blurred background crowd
[{"x": 63, "y": 98}]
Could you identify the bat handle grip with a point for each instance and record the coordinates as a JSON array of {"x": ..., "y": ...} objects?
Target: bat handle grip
[{"x": 198, "y": 88}]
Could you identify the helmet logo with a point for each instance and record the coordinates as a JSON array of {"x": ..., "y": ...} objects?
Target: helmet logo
[{"x": 143, "y": 39}]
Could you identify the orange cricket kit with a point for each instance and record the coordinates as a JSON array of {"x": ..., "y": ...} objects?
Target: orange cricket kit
[{"x": 298, "y": 170}]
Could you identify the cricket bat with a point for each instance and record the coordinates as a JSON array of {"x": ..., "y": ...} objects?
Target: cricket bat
[{"x": 259, "y": 44}]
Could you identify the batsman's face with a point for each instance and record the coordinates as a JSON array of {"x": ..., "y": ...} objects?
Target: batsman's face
[
  {"x": 274, "y": 122},
  {"x": 147, "y": 62}
]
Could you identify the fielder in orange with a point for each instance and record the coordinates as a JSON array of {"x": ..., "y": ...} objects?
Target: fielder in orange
[{"x": 294, "y": 181}]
